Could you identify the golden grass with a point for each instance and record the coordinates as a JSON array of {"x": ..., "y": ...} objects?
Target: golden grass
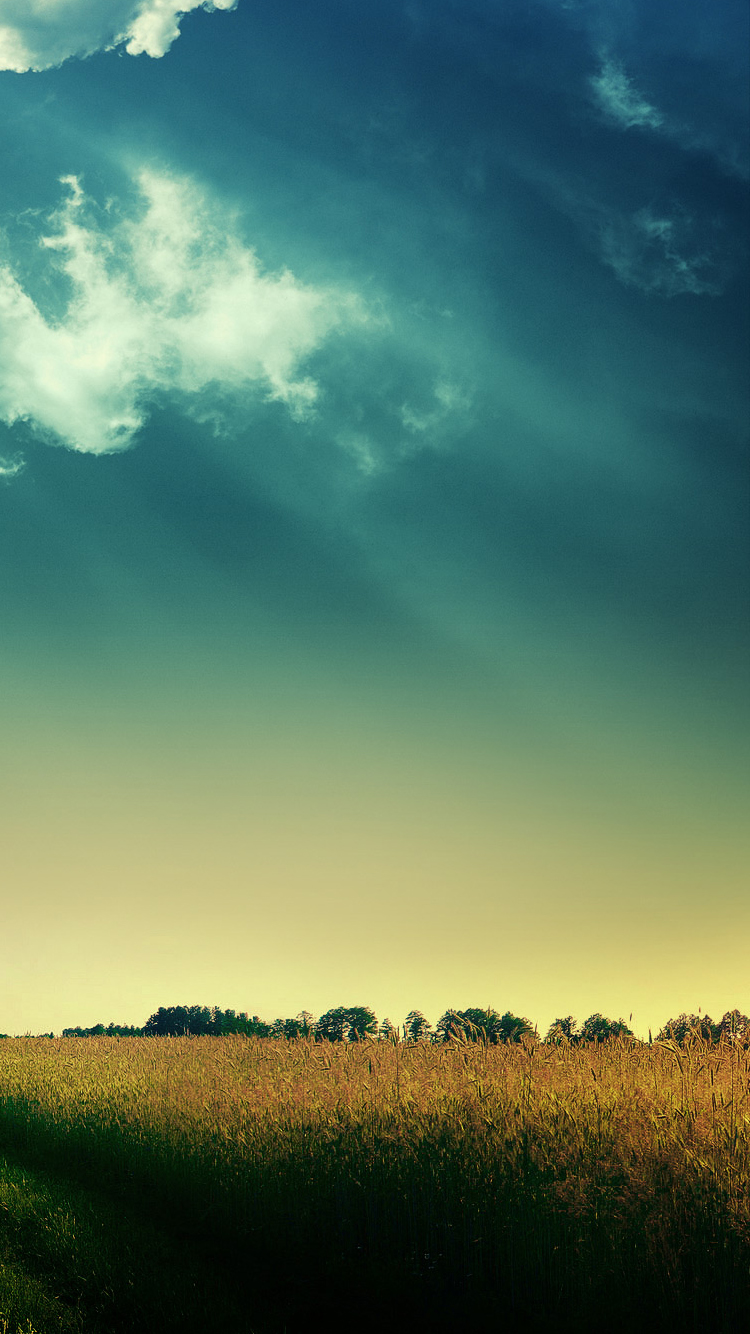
[
  {"x": 558, "y": 1175},
  {"x": 690, "y": 1105}
]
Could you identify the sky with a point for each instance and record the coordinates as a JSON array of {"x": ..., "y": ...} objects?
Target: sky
[{"x": 373, "y": 508}]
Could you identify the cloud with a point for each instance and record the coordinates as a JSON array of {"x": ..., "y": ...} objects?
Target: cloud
[
  {"x": 448, "y": 400},
  {"x": 10, "y": 467},
  {"x": 706, "y": 113},
  {"x": 169, "y": 300},
  {"x": 619, "y": 100},
  {"x": 663, "y": 248},
  {"x": 361, "y": 450},
  {"x": 659, "y": 254},
  {"x": 40, "y": 34},
  {"x": 622, "y": 106}
]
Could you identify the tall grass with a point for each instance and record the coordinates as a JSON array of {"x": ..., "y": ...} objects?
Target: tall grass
[{"x": 457, "y": 1187}]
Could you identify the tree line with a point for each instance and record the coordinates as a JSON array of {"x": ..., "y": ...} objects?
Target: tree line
[{"x": 358, "y": 1023}]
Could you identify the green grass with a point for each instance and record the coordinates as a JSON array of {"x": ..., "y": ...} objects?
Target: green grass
[
  {"x": 260, "y": 1187},
  {"x": 74, "y": 1258}
]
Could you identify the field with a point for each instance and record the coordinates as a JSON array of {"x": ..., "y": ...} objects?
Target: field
[{"x": 249, "y": 1186}]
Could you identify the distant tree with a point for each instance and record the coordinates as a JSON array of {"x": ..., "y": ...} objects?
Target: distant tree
[
  {"x": 686, "y": 1026},
  {"x": 416, "y": 1027},
  {"x": 514, "y": 1027},
  {"x": 181, "y": 1020},
  {"x": 387, "y": 1032},
  {"x": 333, "y": 1026},
  {"x": 562, "y": 1030},
  {"x": 254, "y": 1027},
  {"x": 224, "y": 1021},
  {"x": 598, "y": 1029},
  {"x": 200, "y": 1020},
  {"x": 346, "y": 1024},
  {"x": 291, "y": 1028},
  {"x": 471, "y": 1025},
  {"x": 98, "y": 1030},
  {"x": 456, "y": 1026},
  {"x": 476, "y": 1025},
  {"x": 735, "y": 1026},
  {"x": 362, "y": 1023},
  {"x": 162, "y": 1023}
]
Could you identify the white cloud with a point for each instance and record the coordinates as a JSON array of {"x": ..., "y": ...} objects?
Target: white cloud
[
  {"x": 620, "y": 101},
  {"x": 40, "y": 34},
  {"x": 10, "y": 467},
  {"x": 169, "y": 300}
]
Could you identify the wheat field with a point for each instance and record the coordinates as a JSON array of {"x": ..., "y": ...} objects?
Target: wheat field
[{"x": 259, "y": 1186}]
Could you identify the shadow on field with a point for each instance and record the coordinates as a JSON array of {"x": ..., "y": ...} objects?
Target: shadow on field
[{"x": 351, "y": 1230}]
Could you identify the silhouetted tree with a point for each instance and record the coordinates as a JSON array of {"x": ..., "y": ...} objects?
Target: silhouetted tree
[
  {"x": 562, "y": 1030},
  {"x": 332, "y": 1026},
  {"x": 735, "y": 1026},
  {"x": 597, "y": 1028},
  {"x": 686, "y": 1026},
  {"x": 346, "y": 1024},
  {"x": 387, "y": 1032},
  {"x": 181, "y": 1020},
  {"x": 163, "y": 1022},
  {"x": 471, "y": 1025},
  {"x": 293, "y": 1028},
  {"x": 481, "y": 1026},
  {"x": 111, "y": 1031},
  {"x": 458, "y": 1026},
  {"x": 255, "y": 1027},
  {"x": 416, "y": 1027},
  {"x": 223, "y": 1021},
  {"x": 362, "y": 1023},
  {"x": 199, "y": 1021},
  {"x": 514, "y": 1027}
]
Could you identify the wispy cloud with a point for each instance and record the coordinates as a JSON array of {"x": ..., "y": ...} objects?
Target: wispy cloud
[
  {"x": 449, "y": 401},
  {"x": 362, "y": 451},
  {"x": 662, "y": 248},
  {"x": 171, "y": 299},
  {"x": 10, "y": 467},
  {"x": 622, "y": 106},
  {"x": 40, "y": 34},
  {"x": 659, "y": 254},
  {"x": 619, "y": 100}
]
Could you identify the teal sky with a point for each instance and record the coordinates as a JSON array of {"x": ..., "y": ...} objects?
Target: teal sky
[{"x": 373, "y": 507}]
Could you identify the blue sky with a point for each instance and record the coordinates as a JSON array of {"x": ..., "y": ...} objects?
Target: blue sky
[{"x": 373, "y": 420}]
